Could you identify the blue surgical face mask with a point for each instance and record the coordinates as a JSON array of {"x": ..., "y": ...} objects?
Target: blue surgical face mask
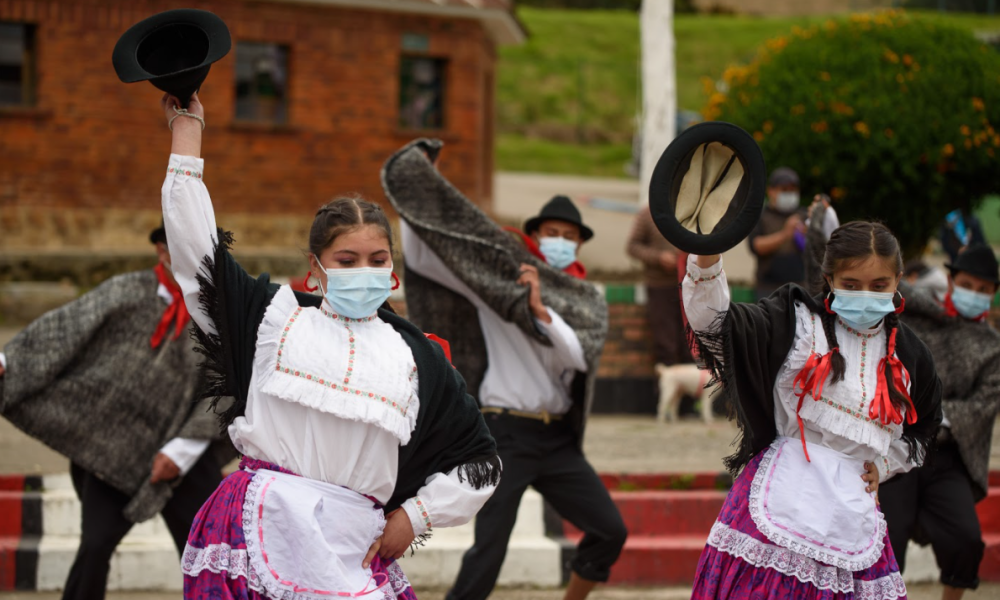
[
  {"x": 558, "y": 252},
  {"x": 970, "y": 304},
  {"x": 357, "y": 293},
  {"x": 862, "y": 310}
]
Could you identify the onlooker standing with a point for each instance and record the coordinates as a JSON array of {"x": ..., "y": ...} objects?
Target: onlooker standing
[
  {"x": 779, "y": 238},
  {"x": 661, "y": 261},
  {"x": 960, "y": 230}
]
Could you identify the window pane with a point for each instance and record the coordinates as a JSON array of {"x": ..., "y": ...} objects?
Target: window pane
[
  {"x": 421, "y": 93},
  {"x": 16, "y": 82},
  {"x": 261, "y": 82}
]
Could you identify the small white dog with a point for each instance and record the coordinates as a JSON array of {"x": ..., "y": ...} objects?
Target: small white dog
[{"x": 677, "y": 380}]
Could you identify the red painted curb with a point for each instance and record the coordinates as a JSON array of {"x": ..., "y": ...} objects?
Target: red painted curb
[
  {"x": 630, "y": 482},
  {"x": 11, "y": 483},
  {"x": 10, "y": 514},
  {"x": 8, "y": 565},
  {"x": 666, "y": 513}
]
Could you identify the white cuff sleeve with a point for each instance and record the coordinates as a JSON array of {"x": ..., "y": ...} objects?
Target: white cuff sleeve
[
  {"x": 185, "y": 452},
  {"x": 445, "y": 502},
  {"x": 565, "y": 343},
  {"x": 189, "y": 219},
  {"x": 3, "y": 360},
  {"x": 705, "y": 293}
]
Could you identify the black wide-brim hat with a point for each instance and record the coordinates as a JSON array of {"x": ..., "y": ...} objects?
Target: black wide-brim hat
[
  {"x": 559, "y": 208},
  {"x": 978, "y": 260},
  {"x": 173, "y": 50},
  {"x": 708, "y": 189}
]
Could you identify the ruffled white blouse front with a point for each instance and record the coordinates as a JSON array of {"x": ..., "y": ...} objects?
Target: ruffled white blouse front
[{"x": 839, "y": 419}]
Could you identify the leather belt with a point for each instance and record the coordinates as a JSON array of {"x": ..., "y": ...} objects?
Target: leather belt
[{"x": 544, "y": 416}]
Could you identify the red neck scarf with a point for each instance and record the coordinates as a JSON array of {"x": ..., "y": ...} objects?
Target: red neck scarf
[
  {"x": 176, "y": 313},
  {"x": 951, "y": 311},
  {"x": 576, "y": 269}
]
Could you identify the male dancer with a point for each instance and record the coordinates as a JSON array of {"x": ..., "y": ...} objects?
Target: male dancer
[
  {"x": 542, "y": 329},
  {"x": 935, "y": 503},
  {"x": 109, "y": 380}
]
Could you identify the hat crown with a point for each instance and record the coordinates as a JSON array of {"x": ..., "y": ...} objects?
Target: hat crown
[
  {"x": 561, "y": 207},
  {"x": 978, "y": 260},
  {"x": 172, "y": 48}
]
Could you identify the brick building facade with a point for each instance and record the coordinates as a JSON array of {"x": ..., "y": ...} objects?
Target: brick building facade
[{"x": 313, "y": 97}]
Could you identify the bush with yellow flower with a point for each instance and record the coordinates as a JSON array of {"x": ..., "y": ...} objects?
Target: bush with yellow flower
[{"x": 897, "y": 118}]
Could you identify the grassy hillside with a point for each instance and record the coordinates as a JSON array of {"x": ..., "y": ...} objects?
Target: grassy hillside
[{"x": 567, "y": 99}]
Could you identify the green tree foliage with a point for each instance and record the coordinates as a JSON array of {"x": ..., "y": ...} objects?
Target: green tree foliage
[{"x": 892, "y": 115}]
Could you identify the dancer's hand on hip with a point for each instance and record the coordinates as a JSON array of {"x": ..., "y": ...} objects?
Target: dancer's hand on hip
[
  {"x": 871, "y": 478},
  {"x": 397, "y": 535},
  {"x": 164, "y": 469}
]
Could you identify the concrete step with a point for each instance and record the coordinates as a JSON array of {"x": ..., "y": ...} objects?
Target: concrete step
[
  {"x": 988, "y": 510},
  {"x": 653, "y": 513}
]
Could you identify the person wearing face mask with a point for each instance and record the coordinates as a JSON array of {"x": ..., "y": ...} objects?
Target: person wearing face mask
[
  {"x": 119, "y": 354},
  {"x": 533, "y": 330},
  {"x": 356, "y": 432},
  {"x": 779, "y": 238},
  {"x": 935, "y": 503},
  {"x": 833, "y": 396}
]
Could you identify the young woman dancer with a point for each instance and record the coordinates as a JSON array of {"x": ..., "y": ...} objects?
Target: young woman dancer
[
  {"x": 832, "y": 395},
  {"x": 342, "y": 410}
]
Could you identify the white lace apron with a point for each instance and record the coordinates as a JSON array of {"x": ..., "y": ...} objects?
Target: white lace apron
[
  {"x": 819, "y": 509},
  {"x": 307, "y": 539}
]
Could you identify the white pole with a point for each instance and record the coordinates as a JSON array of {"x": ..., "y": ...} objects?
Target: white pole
[{"x": 659, "y": 86}]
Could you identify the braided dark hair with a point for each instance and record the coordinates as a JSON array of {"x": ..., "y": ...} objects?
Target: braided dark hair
[
  {"x": 850, "y": 244},
  {"x": 344, "y": 214}
]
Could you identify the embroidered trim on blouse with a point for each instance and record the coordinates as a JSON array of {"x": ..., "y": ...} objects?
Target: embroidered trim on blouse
[
  {"x": 344, "y": 319},
  {"x": 422, "y": 509},
  {"x": 860, "y": 334},
  {"x": 187, "y": 172},
  {"x": 757, "y": 488},
  {"x": 850, "y": 423},
  {"x": 400, "y": 407},
  {"x": 703, "y": 279},
  {"x": 768, "y": 556}
]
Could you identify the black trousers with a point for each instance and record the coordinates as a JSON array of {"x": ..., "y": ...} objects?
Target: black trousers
[
  {"x": 547, "y": 458},
  {"x": 104, "y": 526},
  {"x": 934, "y": 504}
]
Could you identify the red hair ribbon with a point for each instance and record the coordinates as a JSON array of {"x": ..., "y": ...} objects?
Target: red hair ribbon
[
  {"x": 395, "y": 286},
  {"x": 810, "y": 380},
  {"x": 881, "y": 407},
  {"x": 826, "y": 303},
  {"x": 176, "y": 313}
]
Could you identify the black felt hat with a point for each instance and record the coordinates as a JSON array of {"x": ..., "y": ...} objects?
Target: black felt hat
[
  {"x": 977, "y": 260},
  {"x": 559, "y": 208},
  {"x": 158, "y": 235},
  {"x": 707, "y": 191},
  {"x": 173, "y": 50}
]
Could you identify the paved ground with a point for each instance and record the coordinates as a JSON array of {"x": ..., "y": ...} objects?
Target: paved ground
[{"x": 988, "y": 591}]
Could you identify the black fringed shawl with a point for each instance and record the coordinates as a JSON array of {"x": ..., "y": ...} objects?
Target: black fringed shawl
[
  {"x": 450, "y": 430},
  {"x": 753, "y": 341}
]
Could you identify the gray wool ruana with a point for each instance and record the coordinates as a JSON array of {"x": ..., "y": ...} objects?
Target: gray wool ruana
[
  {"x": 84, "y": 380},
  {"x": 488, "y": 260},
  {"x": 967, "y": 360}
]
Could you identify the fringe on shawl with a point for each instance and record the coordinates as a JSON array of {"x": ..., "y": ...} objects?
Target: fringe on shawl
[
  {"x": 218, "y": 376},
  {"x": 708, "y": 346},
  {"x": 481, "y": 472},
  {"x": 419, "y": 542}
]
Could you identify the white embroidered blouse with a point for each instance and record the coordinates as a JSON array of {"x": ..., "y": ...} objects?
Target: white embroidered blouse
[
  {"x": 330, "y": 398},
  {"x": 839, "y": 419}
]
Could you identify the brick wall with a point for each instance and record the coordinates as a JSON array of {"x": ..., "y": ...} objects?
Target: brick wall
[
  {"x": 628, "y": 350},
  {"x": 93, "y": 143}
]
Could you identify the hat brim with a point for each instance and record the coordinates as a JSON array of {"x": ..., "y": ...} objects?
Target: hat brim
[
  {"x": 532, "y": 225},
  {"x": 125, "y": 55},
  {"x": 745, "y": 207}
]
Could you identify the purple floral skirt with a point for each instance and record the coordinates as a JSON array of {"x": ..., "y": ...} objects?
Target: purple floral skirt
[
  {"x": 740, "y": 562},
  {"x": 215, "y": 562}
]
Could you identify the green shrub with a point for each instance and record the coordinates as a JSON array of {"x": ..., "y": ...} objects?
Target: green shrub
[{"x": 891, "y": 115}]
